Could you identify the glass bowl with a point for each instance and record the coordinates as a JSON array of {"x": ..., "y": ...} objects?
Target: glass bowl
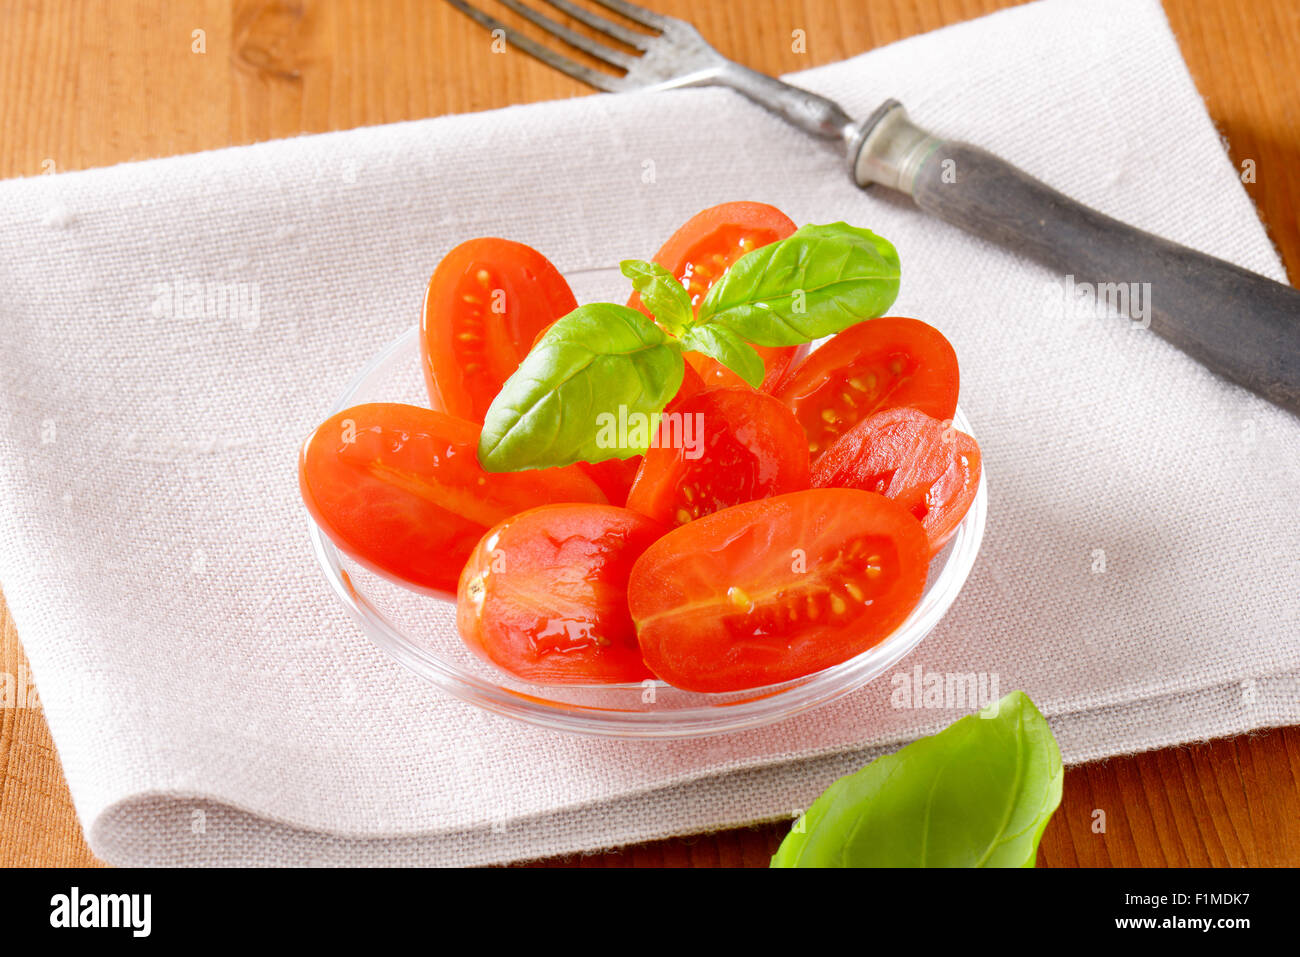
[{"x": 420, "y": 631}]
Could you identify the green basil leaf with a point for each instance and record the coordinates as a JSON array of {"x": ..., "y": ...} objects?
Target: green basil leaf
[
  {"x": 977, "y": 794},
  {"x": 600, "y": 360},
  {"x": 815, "y": 283},
  {"x": 719, "y": 342},
  {"x": 661, "y": 293}
]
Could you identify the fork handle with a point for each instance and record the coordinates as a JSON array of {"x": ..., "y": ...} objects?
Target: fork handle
[
  {"x": 1239, "y": 324},
  {"x": 813, "y": 114}
]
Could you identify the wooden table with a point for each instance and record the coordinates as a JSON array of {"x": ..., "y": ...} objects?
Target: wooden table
[{"x": 94, "y": 82}]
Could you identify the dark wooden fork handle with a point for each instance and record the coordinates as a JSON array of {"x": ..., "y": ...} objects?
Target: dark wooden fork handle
[{"x": 1241, "y": 325}]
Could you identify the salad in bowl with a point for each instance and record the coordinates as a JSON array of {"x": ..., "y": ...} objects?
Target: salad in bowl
[{"x": 670, "y": 492}]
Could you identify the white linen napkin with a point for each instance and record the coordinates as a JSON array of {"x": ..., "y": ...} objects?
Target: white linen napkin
[{"x": 212, "y": 703}]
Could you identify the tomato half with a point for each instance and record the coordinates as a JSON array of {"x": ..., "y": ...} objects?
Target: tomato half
[
  {"x": 878, "y": 364},
  {"x": 925, "y": 465},
  {"x": 717, "y": 449},
  {"x": 701, "y": 251},
  {"x": 399, "y": 488},
  {"x": 544, "y": 595},
  {"x": 487, "y": 302},
  {"x": 777, "y": 589}
]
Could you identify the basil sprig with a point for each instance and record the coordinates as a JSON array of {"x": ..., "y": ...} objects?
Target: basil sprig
[
  {"x": 977, "y": 794},
  {"x": 661, "y": 293},
  {"x": 818, "y": 282},
  {"x": 604, "y": 360},
  {"x": 719, "y": 342}
]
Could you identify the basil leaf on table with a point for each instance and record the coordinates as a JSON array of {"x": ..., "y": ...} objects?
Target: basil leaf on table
[
  {"x": 815, "y": 283},
  {"x": 719, "y": 342},
  {"x": 601, "y": 359},
  {"x": 661, "y": 293},
  {"x": 977, "y": 794}
]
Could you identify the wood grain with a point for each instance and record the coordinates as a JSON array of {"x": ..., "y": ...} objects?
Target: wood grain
[{"x": 94, "y": 82}]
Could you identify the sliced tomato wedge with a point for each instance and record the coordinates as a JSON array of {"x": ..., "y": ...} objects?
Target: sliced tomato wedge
[
  {"x": 544, "y": 595},
  {"x": 487, "y": 302},
  {"x": 777, "y": 589},
  {"x": 701, "y": 251},
  {"x": 878, "y": 364},
  {"x": 717, "y": 449},
  {"x": 399, "y": 488},
  {"x": 925, "y": 465}
]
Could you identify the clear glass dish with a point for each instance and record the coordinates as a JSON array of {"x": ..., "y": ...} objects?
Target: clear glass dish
[{"x": 420, "y": 632}]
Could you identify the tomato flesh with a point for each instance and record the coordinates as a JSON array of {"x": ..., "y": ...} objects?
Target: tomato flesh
[
  {"x": 702, "y": 250},
  {"x": 717, "y": 449},
  {"x": 770, "y": 591},
  {"x": 878, "y": 364},
  {"x": 399, "y": 488},
  {"x": 544, "y": 595},
  {"x": 924, "y": 464},
  {"x": 487, "y": 302}
]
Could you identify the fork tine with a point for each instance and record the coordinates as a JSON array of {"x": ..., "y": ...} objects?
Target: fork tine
[
  {"x": 572, "y": 37},
  {"x": 595, "y": 78},
  {"x": 638, "y": 41},
  {"x": 647, "y": 18}
]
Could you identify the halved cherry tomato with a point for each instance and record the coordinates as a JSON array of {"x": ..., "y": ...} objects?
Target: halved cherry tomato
[
  {"x": 544, "y": 594},
  {"x": 486, "y": 303},
  {"x": 777, "y": 589},
  {"x": 717, "y": 449},
  {"x": 399, "y": 488},
  {"x": 879, "y": 364},
  {"x": 925, "y": 465},
  {"x": 701, "y": 251}
]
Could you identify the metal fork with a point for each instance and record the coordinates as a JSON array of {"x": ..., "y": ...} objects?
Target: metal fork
[{"x": 1242, "y": 325}]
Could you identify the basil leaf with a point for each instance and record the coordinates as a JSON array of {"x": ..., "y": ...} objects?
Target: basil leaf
[
  {"x": 600, "y": 360},
  {"x": 719, "y": 342},
  {"x": 661, "y": 293},
  {"x": 977, "y": 794},
  {"x": 817, "y": 282}
]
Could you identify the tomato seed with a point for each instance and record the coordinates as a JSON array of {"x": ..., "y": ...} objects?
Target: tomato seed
[{"x": 739, "y": 598}]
